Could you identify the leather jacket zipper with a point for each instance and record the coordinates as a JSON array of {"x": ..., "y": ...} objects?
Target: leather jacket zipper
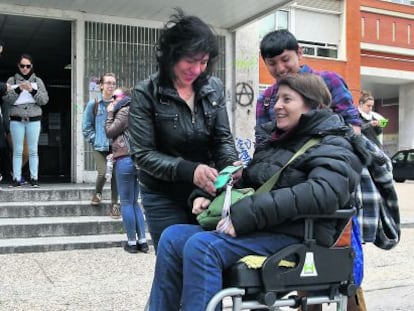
[{"x": 193, "y": 113}]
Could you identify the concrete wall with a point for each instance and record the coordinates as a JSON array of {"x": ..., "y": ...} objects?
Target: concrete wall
[{"x": 247, "y": 87}]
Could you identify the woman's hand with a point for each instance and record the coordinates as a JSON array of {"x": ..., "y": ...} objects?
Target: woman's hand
[
  {"x": 374, "y": 123},
  {"x": 230, "y": 228},
  {"x": 204, "y": 178},
  {"x": 110, "y": 107},
  {"x": 200, "y": 204},
  {"x": 26, "y": 86},
  {"x": 236, "y": 176}
]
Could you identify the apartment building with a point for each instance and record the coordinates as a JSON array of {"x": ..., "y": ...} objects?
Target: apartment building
[{"x": 369, "y": 43}]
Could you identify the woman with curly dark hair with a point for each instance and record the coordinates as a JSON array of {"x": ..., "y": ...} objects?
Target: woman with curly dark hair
[{"x": 180, "y": 133}]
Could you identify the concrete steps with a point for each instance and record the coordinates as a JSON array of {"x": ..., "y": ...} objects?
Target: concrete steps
[
  {"x": 56, "y": 217},
  {"x": 46, "y": 244}
]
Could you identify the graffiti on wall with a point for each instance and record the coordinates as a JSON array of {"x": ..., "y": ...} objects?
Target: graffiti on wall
[
  {"x": 244, "y": 94},
  {"x": 244, "y": 146}
]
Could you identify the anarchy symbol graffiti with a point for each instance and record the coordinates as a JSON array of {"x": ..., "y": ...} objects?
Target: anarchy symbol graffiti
[{"x": 244, "y": 94}]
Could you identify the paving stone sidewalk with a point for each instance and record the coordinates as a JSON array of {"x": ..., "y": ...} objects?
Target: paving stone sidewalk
[{"x": 111, "y": 279}]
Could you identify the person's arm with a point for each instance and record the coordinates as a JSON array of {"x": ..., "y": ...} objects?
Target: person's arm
[
  {"x": 116, "y": 125},
  {"x": 264, "y": 106},
  {"x": 40, "y": 95},
  {"x": 143, "y": 142},
  {"x": 144, "y": 151},
  {"x": 342, "y": 101},
  {"x": 332, "y": 175},
  {"x": 11, "y": 95},
  {"x": 3, "y": 88},
  {"x": 88, "y": 122}
]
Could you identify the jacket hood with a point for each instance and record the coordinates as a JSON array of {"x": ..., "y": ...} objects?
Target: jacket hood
[
  {"x": 122, "y": 103},
  {"x": 322, "y": 122}
]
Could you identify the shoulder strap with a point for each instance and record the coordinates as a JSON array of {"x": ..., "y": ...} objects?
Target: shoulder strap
[
  {"x": 268, "y": 185},
  {"x": 267, "y": 96},
  {"x": 95, "y": 108}
]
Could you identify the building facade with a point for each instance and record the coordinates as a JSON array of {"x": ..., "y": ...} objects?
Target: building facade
[
  {"x": 370, "y": 44},
  {"x": 74, "y": 43}
]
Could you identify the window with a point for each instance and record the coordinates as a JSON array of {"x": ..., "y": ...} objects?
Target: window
[
  {"x": 410, "y": 157},
  {"x": 319, "y": 49},
  {"x": 407, "y": 2},
  {"x": 399, "y": 157},
  {"x": 318, "y": 43},
  {"x": 363, "y": 27},
  {"x": 274, "y": 21}
]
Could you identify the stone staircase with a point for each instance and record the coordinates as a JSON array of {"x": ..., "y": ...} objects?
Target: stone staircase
[{"x": 56, "y": 217}]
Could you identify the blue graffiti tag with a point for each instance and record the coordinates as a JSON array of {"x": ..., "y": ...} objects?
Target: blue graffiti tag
[{"x": 243, "y": 146}]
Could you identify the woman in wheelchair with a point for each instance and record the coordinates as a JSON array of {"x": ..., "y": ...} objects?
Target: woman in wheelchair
[{"x": 190, "y": 260}]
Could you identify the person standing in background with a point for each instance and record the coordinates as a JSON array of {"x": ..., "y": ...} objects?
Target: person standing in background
[
  {"x": 28, "y": 93},
  {"x": 372, "y": 125},
  {"x": 180, "y": 132},
  {"x": 93, "y": 128},
  {"x": 4, "y": 87},
  {"x": 116, "y": 128}
]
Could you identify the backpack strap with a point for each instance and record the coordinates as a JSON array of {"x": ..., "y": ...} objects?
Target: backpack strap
[
  {"x": 95, "y": 108},
  {"x": 268, "y": 94}
]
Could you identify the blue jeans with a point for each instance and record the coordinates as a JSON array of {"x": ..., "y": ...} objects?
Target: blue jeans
[
  {"x": 190, "y": 262},
  {"x": 163, "y": 210},
  {"x": 19, "y": 130},
  {"x": 128, "y": 188}
]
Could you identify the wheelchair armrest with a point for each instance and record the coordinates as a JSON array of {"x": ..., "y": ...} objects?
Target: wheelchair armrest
[{"x": 339, "y": 214}]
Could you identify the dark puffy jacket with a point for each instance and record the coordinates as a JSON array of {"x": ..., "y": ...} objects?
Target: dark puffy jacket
[
  {"x": 168, "y": 140},
  {"x": 320, "y": 181}
]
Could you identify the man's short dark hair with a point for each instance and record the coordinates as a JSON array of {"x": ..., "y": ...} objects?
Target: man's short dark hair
[{"x": 275, "y": 42}]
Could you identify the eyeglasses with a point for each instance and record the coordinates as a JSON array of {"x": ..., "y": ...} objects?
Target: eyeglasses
[
  {"x": 23, "y": 65},
  {"x": 110, "y": 83},
  {"x": 118, "y": 96}
]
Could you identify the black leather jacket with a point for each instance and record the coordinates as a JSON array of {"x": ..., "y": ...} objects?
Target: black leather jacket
[{"x": 168, "y": 140}]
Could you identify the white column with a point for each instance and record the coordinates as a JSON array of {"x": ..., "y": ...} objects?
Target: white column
[
  {"x": 246, "y": 66},
  {"x": 406, "y": 116}
]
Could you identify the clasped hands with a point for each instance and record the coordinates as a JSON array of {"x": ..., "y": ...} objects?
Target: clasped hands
[
  {"x": 26, "y": 86},
  {"x": 200, "y": 204}
]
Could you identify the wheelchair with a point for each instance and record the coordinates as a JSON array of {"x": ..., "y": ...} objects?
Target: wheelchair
[{"x": 317, "y": 274}]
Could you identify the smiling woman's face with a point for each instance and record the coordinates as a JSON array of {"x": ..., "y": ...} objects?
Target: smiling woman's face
[
  {"x": 189, "y": 68},
  {"x": 289, "y": 108}
]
